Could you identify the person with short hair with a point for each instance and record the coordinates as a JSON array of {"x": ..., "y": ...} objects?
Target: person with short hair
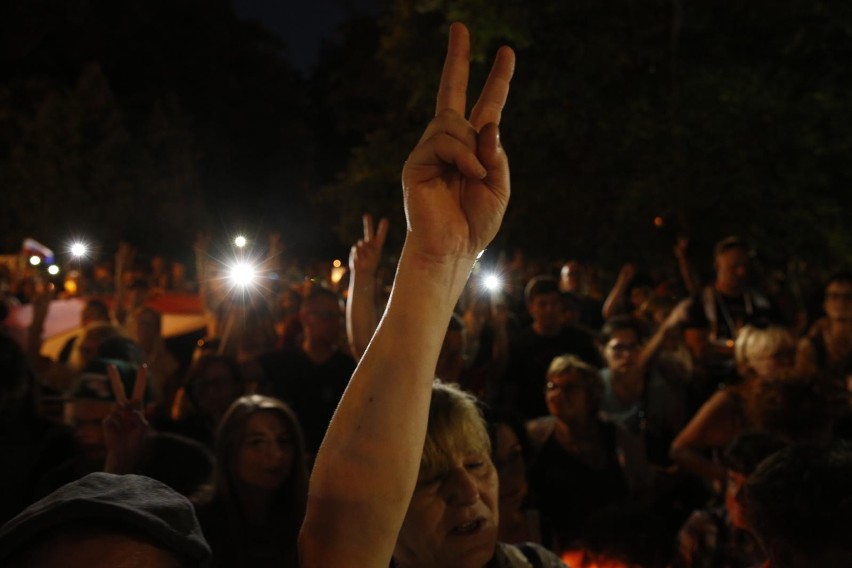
[
  {"x": 635, "y": 394},
  {"x": 827, "y": 348},
  {"x": 721, "y": 536},
  {"x": 721, "y": 310},
  {"x": 368, "y": 504},
  {"x": 581, "y": 463},
  {"x": 312, "y": 378},
  {"x": 799, "y": 504},
  {"x": 534, "y": 348}
]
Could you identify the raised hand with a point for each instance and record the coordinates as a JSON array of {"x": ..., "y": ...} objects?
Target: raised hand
[
  {"x": 456, "y": 180},
  {"x": 367, "y": 252},
  {"x": 125, "y": 427},
  {"x": 627, "y": 272}
]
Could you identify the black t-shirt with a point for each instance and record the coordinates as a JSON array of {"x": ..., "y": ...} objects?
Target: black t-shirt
[
  {"x": 568, "y": 491},
  {"x": 312, "y": 390},
  {"x": 530, "y": 356}
]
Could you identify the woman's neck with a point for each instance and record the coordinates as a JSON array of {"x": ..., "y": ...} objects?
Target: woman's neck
[
  {"x": 575, "y": 435},
  {"x": 256, "y": 504}
]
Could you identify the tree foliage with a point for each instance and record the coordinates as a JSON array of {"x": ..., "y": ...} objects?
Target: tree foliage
[
  {"x": 147, "y": 120},
  {"x": 719, "y": 118}
]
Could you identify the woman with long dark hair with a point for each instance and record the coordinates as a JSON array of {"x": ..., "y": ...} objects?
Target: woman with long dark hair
[{"x": 252, "y": 514}]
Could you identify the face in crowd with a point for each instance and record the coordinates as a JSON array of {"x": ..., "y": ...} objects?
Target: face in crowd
[
  {"x": 838, "y": 301},
  {"x": 546, "y": 312},
  {"x": 571, "y": 277},
  {"x": 215, "y": 387},
  {"x": 732, "y": 270},
  {"x": 321, "y": 317},
  {"x": 734, "y": 498},
  {"x": 567, "y": 397},
  {"x": 622, "y": 350},
  {"x": 452, "y": 520},
  {"x": 266, "y": 452},
  {"x": 511, "y": 469},
  {"x": 764, "y": 353}
]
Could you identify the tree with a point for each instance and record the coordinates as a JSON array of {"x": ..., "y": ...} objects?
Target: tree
[{"x": 717, "y": 118}]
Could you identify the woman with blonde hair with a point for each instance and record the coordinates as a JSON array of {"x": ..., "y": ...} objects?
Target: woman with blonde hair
[
  {"x": 371, "y": 499},
  {"x": 252, "y": 514},
  {"x": 761, "y": 354}
]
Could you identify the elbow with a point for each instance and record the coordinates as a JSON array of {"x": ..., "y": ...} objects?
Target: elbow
[{"x": 677, "y": 451}]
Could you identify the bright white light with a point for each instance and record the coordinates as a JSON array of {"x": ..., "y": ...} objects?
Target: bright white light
[
  {"x": 35, "y": 260},
  {"x": 491, "y": 282},
  {"x": 78, "y": 249},
  {"x": 53, "y": 270},
  {"x": 480, "y": 254},
  {"x": 240, "y": 241},
  {"x": 243, "y": 274}
]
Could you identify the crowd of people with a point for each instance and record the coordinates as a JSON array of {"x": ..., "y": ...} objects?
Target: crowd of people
[{"x": 431, "y": 421}]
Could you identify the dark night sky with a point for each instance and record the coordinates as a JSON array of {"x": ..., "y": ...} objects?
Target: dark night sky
[{"x": 302, "y": 24}]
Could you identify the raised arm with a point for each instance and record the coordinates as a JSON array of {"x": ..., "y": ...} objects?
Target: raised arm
[
  {"x": 362, "y": 314},
  {"x": 622, "y": 283},
  {"x": 456, "y": 188}
]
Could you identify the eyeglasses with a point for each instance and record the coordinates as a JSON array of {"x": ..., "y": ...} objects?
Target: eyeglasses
[
  {"x": 623, "y": 348},
  {"x": 839, "y": 296},
  {"x": 565, "y": 388}
]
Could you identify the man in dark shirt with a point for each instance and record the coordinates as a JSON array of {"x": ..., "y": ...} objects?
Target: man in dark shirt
[
  {"x": 716, "y": 315},
  {"x": 312, "y": 379},
  {"x": 532, "y": 351}
]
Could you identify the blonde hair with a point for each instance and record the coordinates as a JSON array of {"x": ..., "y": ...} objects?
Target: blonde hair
[
  {"x": 455, "y": 426},
  {"x": 753, "y": 342}
]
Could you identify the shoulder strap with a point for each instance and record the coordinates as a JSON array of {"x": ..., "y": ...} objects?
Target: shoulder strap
[
  {"x": 531, "y": 553},
  {"x": 708, "y": 297}
]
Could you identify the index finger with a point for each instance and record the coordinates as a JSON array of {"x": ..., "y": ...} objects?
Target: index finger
[
  {"x": 117, "y": 386},
  {"x": 367, "y": 219},
  {"x": 139, "y": 385},
  {"x": 382, "y": 233},
  {"x": 492, "y": 99},
  {"x": 452, "y": 92}
]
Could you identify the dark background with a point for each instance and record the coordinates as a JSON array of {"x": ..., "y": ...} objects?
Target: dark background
[{"x": 150, "y": 120}]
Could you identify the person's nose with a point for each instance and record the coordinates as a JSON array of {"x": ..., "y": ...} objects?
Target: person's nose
[
  {"x": 463, "y": 489},
  {"x": 274, "y": 452}
]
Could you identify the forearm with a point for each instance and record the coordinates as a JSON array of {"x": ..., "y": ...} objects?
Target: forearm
[
  {"x": 693, "y": 461},
  {"x": 378, "y": 431},
  {"x": 362, "y": 316},
  {"x": 615, "y": 295}
]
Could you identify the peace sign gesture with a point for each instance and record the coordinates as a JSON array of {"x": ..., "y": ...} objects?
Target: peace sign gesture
[
  {"x": 456, "y": 180},
  {"x": 125, "y": 427},
  {"x": 367, "y": 252}
]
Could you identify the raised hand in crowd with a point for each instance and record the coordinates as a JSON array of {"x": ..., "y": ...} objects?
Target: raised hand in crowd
[
  {"x": 622, "y": 283},
  {"x": 125, "y": 427},
  {"x": 455, "y": 189},
  {"x": 362, "y": 313}
]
